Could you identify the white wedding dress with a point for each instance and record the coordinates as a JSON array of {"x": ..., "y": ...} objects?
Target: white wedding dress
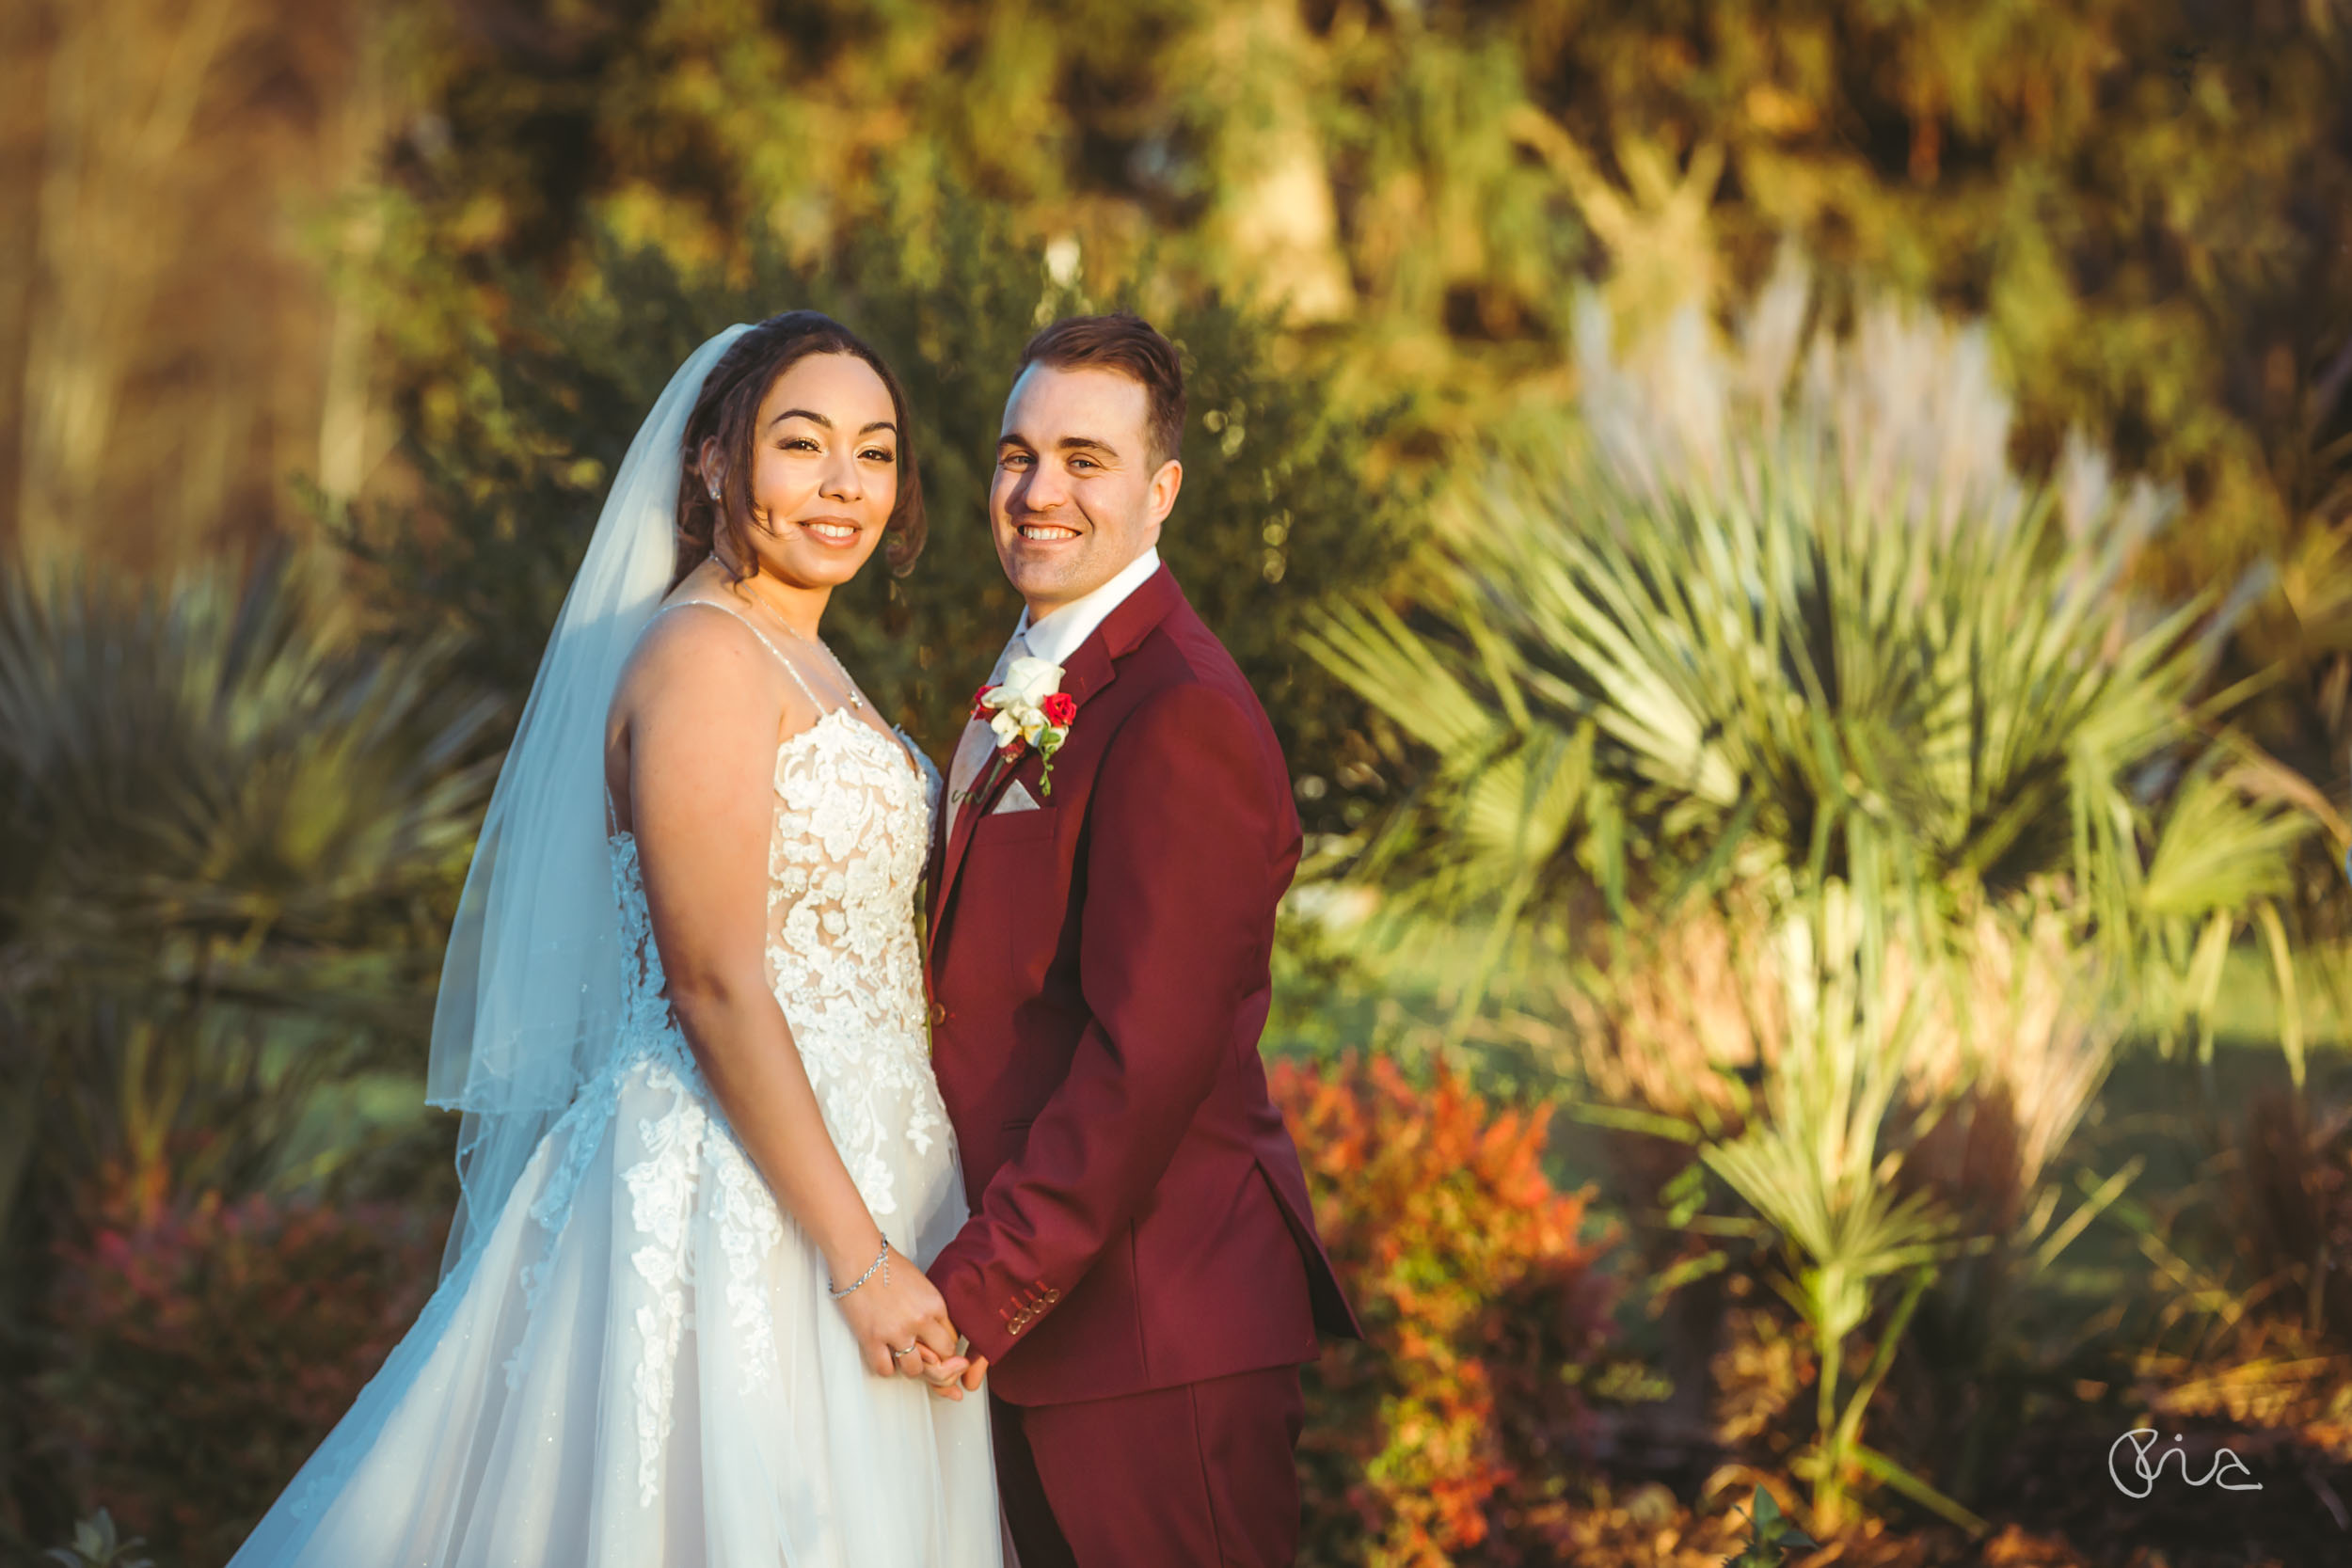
[{"x": 640, "y": 1366}]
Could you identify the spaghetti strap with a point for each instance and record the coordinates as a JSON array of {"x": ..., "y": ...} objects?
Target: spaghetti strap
[{"x": 790, "y": 669}]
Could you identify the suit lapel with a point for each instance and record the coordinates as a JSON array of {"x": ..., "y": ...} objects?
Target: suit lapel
[
  {"x": 990, "y": 784},
  {"x": 1093, "y": 667}
]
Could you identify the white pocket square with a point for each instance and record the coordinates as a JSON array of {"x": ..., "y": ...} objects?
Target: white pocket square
[{"x": 1016, "y": 799}]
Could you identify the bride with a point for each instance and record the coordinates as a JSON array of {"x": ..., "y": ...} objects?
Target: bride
[{"x": 682, "y": 1319}]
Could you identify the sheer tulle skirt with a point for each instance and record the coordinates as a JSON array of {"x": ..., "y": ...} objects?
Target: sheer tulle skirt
[{"x": 640, "y": 1366}]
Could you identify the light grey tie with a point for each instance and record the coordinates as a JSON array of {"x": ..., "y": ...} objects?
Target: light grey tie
[{"x": 979, "y": 740}]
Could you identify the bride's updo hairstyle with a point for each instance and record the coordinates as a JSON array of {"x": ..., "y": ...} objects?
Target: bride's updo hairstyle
[{"x": 728, "y": 409}]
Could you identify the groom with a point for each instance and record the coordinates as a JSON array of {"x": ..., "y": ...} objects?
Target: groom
[{"x": 1140, "y": 1277}]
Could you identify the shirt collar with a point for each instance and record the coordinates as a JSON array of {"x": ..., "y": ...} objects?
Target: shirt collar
[{"x": 1058, "y": 636}]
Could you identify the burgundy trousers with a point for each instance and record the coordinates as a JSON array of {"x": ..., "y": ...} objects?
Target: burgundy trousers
[{"x": 1177, "y": 1478}]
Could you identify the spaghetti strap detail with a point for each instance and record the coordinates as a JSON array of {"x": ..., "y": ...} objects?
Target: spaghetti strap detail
[{"x": 790, "y": 669}]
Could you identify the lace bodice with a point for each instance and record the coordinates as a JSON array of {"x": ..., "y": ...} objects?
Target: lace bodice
[{"x": 851, "y": 827}]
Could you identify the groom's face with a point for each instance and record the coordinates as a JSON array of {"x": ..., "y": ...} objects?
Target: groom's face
[{"x": 1077, "y": 495}]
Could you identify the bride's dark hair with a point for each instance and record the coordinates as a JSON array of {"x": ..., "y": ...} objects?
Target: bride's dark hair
[{"x": 727, "y": 409}]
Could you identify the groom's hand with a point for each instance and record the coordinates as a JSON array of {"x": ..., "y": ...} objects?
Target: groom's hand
[
  {"x": 974, "y": 1372},
  {"x": 946, "y": 1377}
]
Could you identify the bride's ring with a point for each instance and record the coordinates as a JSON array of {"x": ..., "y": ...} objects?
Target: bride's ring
[{"x": 908, "y": 1350}]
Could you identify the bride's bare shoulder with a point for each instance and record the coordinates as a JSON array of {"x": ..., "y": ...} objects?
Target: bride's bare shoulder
[{"x": 695, "y": 654}]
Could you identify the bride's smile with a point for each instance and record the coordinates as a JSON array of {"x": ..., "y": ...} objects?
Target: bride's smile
[{"x": 832, "y": 531}]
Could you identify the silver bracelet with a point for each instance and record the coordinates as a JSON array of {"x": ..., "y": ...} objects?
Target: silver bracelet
[{"x": 881, "y": 1261}]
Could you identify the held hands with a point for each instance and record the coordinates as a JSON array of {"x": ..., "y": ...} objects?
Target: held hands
[
  {"x": 950, "y": 1379},
  {"x": 901, "y": 1326}
]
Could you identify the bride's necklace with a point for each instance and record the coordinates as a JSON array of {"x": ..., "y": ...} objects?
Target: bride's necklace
[{"x": 778, "y": 616}]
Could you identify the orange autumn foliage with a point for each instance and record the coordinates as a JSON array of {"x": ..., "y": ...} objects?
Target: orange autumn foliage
[{"x": 1443, "y": 1438}]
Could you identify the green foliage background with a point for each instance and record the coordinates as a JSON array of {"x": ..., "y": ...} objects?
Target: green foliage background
[{"x": 2149, "y": 204}]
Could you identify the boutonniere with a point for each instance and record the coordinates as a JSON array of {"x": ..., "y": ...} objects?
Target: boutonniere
[{"x": 1028, "y": 709}]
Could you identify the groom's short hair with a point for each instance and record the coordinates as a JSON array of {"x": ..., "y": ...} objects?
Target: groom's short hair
[{"x": 1125, "y": 342}]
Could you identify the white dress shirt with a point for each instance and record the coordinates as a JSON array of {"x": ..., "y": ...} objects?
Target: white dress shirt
[{"x": 1056, "y": 636}]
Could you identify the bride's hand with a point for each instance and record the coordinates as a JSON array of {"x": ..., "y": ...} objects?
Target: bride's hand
[{"x": 902, "y": 1314}]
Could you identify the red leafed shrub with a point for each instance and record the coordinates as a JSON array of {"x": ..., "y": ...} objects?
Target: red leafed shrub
[
  {"x": 1443, "y": 1438},
  {"x": 200, "y": 1354}
]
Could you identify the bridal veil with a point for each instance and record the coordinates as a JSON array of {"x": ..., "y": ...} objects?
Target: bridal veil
[{"x": 532, "y": 985}]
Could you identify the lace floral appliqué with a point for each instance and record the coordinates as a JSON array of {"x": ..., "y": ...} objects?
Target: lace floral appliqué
[{"x": 852, "y": 827}]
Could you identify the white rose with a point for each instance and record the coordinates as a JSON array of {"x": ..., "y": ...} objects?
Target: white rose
[
  {"x": 1006, "y": 726},
  {"x": 1029, "y": 682}
]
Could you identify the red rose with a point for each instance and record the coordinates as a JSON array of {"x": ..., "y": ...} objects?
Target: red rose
[
  {"x": 1059, "y": 709},
  {"x": 980, "y": 710}
]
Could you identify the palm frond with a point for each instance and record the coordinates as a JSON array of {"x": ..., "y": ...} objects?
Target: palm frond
[{"x": 235, "y": 831}]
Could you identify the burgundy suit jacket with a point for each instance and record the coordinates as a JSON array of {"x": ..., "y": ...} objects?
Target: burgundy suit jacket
[{"x": 1100, "y": 972}]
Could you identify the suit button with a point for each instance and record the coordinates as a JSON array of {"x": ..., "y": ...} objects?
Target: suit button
[{"x": 939, "y": 1014}]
